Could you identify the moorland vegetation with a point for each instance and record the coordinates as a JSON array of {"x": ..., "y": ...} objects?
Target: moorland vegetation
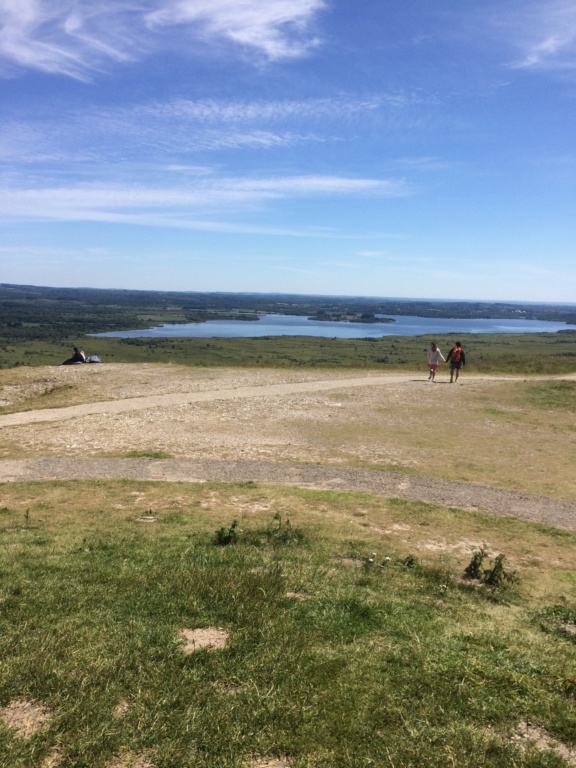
[{"x": 38, "y": 326}]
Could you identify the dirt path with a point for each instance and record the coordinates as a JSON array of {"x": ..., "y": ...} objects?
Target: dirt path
[
  {"x": 182, "y": 398},
  {"x": 290, "y": 420},
  {"x": 468, "y": 496}
]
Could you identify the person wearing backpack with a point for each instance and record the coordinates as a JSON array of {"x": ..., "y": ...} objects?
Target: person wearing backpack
[{"x": 457, "y": 360}]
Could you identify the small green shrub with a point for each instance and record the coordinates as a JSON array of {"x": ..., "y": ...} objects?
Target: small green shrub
[
  {"x": 495, "y": 577},
  {"x": 224, "y": 537},
  {"x": 474, "y": 568}
]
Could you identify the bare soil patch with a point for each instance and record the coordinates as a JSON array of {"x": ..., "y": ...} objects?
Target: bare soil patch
[
  {"x": 53, "y": 759},
  {"x": 121, "y": 709},
  {"x": 206, "y": 637},
  {"x": 528, "y": 735},
  {"x": 130, "y": 761},
  {"x": 351, "y": 562},
  {"x": 272, "y": 762},
  {"x": 25, "y": 717}
]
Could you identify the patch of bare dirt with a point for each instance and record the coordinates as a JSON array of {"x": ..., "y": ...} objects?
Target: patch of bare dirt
[
  {"x": 53, "y": 759},
  {"x": 206, "y": 637},
  {"x": 272, "y": 762},
  {"x": 130, "y": 761},
  {"x": 462, "y": 547},
  {"x": 25, "y": 717},
  {"x": 297, "y": 596},
  {"x": 227, "y": 687},
  {"x": 352, "y": 562},
  {"x": 531, "y": 735},
  {"x": 121, "y": 708}
]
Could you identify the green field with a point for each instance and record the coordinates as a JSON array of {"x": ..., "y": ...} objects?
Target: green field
[
  {"x": 39, "y": 326},
  {"x": 547, "y": 353},
  {"x": 346, "y": 648}
]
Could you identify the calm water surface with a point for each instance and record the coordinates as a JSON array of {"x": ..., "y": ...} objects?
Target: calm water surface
[{"x": 295, "y": 325}]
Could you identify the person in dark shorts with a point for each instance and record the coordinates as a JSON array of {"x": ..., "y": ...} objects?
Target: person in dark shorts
[{"x": 457, "y": 360}]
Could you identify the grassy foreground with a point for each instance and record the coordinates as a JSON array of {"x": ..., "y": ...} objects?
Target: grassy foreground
[{"x": 350, "y": 642}]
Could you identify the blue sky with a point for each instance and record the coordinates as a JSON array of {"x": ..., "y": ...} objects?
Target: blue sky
[{"x": 416, "y": 149}]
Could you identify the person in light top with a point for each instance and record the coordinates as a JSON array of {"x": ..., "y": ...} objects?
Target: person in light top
[{"x": 434, "y": 357}]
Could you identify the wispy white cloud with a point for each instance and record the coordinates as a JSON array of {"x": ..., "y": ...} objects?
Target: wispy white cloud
[
  {"x": 543, "y": 33},
  {"x": 179, "y": 206},
  {"x": 274, "y": 27},
  {"x": 425, "y": 164},
  {"x": 173, "y": 128},
  {"x": 208, "y": 111},
  {"x": 77, "y": 37}
]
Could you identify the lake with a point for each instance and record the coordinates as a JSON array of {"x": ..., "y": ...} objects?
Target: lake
[{"x": 295, "y": 325}]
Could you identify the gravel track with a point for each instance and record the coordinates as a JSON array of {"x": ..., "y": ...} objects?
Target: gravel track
[
  {"x": 124, "y": 405},
  {"x": 467, "y": 496}
]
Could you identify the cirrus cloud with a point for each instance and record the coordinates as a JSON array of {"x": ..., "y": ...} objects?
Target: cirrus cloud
[
  {"x": 180, "y": 205},
  {"x": 543, "y": 33},
  {"x": 78, "y": 37}
]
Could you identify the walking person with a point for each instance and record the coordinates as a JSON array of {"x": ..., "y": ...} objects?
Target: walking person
[
  {"x": 457, "y": 360},
  {"x": 434, "y": 357}
]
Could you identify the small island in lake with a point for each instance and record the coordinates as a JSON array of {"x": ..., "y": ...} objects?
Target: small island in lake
[{"x": 350, "y": 317}]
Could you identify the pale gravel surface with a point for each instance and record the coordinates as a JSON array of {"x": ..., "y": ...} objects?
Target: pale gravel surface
[
  {"x": 231, "y": 426},
  {"x": 144, "y": 402}
]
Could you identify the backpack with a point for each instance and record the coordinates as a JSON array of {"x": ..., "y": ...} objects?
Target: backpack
[{"x": 456, "y": 354}]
